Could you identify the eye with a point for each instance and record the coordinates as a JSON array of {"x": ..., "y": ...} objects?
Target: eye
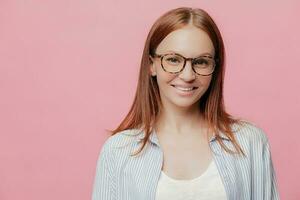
[
  {"x": 172, "y": 59},
  {"x": 204, "y": 62},
  {"x": 201, "y": 61}
]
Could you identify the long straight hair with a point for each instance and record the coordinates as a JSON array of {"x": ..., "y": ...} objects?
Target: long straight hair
[{"x": 147, "y": 103}]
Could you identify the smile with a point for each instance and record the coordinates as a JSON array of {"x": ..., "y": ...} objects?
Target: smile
[{"x": 184, "y": 88}]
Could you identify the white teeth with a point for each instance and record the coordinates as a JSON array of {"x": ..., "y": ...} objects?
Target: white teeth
[{"x": 184, "y": 89}]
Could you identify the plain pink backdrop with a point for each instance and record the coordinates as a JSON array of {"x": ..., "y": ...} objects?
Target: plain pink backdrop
[{"x": 68, "y": 71}]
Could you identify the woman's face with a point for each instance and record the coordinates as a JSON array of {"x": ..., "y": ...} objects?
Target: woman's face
[{"x": 190, "y": 42}]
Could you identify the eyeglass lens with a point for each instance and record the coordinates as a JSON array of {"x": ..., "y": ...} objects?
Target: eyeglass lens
[{"x": 174, "y": 63}]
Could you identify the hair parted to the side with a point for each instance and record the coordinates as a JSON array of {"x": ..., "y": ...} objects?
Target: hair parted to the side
[{"x": 147, "y": 103}]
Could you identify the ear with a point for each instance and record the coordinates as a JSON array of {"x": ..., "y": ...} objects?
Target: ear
[{"x": 152, "y": 66}]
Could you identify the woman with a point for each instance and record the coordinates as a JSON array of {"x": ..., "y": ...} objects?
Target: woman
[{"x": 188, "y": 146}]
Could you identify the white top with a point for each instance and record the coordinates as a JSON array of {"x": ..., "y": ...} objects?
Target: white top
[{"x": 207, "y": 186}]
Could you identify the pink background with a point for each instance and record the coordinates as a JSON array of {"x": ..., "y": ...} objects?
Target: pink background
[{"x": 68, "y": 71}]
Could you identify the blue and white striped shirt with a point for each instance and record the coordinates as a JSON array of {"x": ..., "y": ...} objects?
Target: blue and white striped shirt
[{"x": 120, "y": 176}]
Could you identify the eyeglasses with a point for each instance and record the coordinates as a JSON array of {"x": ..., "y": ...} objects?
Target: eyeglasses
[{"x": 175, "y": 63}]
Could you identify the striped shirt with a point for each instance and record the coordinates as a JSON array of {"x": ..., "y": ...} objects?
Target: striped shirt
[{"x": 120, "y": 176}]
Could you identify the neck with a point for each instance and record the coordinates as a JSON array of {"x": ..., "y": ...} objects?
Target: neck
[{"x": 180, "y": 121}]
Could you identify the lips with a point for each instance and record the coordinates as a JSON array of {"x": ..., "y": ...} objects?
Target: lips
[{"x": 185, "y": 87}]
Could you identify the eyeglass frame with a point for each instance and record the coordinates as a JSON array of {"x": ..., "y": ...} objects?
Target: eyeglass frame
[{"x": 161, "y": 56}]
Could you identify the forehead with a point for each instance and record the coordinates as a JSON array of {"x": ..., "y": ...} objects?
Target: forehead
[{"x": 189, "y": 41}]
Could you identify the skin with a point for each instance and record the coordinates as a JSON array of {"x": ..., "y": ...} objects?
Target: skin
[{"x": 180, "y": 125}]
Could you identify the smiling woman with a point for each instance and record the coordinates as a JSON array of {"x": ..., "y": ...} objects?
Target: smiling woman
[
  {"x": 193, "y": 149},
  {"x": 187, "y": 79}
]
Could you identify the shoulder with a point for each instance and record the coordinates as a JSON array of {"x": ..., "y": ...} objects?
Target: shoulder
[
  {"x": 121, "y": 139},
  {"x": 119, "y": 145},
  {"x": 246, "y": 130},
  {"x": 251, "y": 137}
]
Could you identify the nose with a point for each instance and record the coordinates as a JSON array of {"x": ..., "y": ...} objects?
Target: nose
[{"x": 187, "y": 73}]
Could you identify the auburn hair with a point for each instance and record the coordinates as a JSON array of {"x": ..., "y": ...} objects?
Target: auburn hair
[{"x": 147, "y": 103}]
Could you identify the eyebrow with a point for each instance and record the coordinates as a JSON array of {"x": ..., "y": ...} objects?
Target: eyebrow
[{"x": 202, "y": 54}]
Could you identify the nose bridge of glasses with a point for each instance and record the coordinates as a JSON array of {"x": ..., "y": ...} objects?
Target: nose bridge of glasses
[
  {"x": 188, "y": 67},
  {"x": 190, "y": 63}
]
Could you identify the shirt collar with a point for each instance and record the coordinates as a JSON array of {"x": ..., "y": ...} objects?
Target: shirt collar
[{"x": 154, "y": 139}]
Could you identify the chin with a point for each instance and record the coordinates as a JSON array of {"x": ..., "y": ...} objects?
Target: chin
[{"x": 185, "y": 103}]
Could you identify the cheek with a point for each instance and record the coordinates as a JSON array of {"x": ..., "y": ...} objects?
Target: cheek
[
  {"x": 207, "y": 81},
  {"x": 164, "y": 78},
  {"x": 204, "y": 83}
]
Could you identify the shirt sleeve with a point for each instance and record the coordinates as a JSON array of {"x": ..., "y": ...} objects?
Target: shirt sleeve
[
  {"x": 270, "y": 183},
  {"x": 103, "y": 187}
]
